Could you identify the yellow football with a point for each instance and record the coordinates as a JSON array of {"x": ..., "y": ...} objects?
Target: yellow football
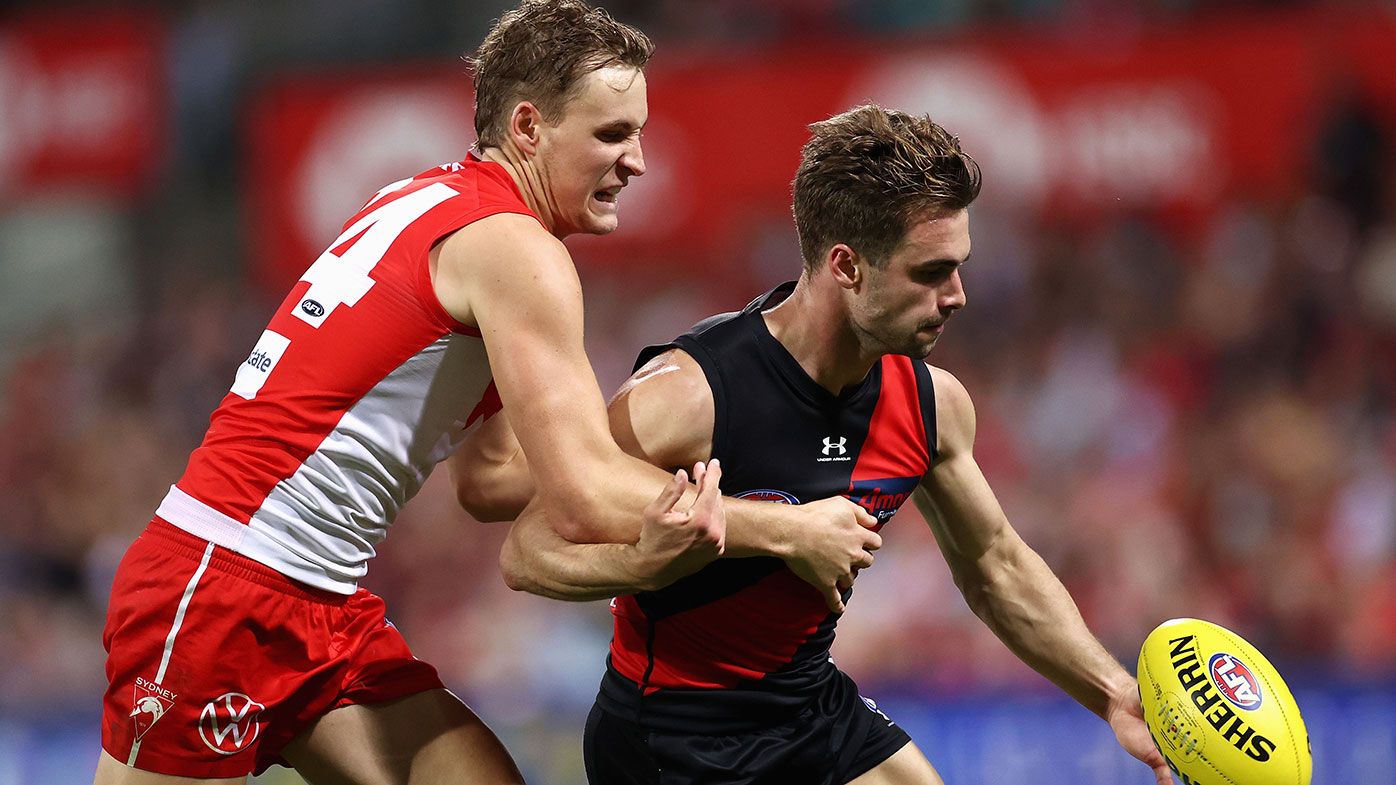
[{"x": 1218, "y": 710}]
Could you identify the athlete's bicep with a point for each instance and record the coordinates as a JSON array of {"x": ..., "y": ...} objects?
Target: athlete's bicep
[
  {"x": 490, "y": 471},
  {"x": 505, "y": 274},
  {"x": 663, "y": 414},
  {"x": 954, "y": 496}
]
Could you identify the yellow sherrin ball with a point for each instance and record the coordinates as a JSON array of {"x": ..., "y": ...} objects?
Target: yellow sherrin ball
[{"x": 1218, "y": 710}]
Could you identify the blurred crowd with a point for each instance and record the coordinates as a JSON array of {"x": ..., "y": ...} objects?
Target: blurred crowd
[{"x": 1184, "y": 418}]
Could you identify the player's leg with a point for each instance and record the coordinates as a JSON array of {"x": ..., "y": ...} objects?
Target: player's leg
[
  {"x": 873, "y": 749},
  {"x": 430, "y": 737},
  {"x": 906, "y": 767},
  {"x": 110, "y": 771},
  {"x": 618, "y": 752},
  {"x": 171, "y": 614}
]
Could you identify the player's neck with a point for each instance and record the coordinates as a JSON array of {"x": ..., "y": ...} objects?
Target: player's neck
[
  {"x": 528, "y": 181},
  {"x": 815, "y": 330}
]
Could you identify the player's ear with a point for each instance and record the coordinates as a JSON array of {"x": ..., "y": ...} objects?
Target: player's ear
[
  {"x": 845, "y": 265},
  {"x": 524, "y": 124}
]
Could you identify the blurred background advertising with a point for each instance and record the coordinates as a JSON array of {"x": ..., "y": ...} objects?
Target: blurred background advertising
[{"x": 1181, "y": 332}]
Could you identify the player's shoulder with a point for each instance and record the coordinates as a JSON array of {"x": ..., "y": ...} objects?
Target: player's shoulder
[
  {"x": 478, "y": 188},
  {"x": 471, "y": 176},
  {"x": 505, "y": 265},
  {"x": 955, "y": 417},
  {"x": 673, "y": 377},
  {"x": 717, "y": 323},
  {"x": 665, "y": 411},
  {"x": 513, "y": 239},
  {"x": 947, "y": 385}
]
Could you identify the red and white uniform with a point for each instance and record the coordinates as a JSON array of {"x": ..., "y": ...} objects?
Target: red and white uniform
[
  {"x": 236, "y": 619},
  {"x": 360, "y": 385}
]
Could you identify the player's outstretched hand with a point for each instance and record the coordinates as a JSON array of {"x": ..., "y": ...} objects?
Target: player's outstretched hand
[
  {"x": 836, "y": 541},
  {"x": 1126, "y": 716},
  {"x": 674, "y": 543}
]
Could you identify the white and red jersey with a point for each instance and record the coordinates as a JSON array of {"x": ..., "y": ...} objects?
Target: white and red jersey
[{"x": 358, "y": 387}]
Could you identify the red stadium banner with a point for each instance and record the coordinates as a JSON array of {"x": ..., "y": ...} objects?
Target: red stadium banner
[
  {"x": 321, "y": 146},
  {"x": 1166, "y": 120},
  {"x": 81, "y": 101}
]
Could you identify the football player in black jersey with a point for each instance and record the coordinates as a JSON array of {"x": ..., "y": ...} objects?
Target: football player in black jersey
[{"x": 817, "y": 387}]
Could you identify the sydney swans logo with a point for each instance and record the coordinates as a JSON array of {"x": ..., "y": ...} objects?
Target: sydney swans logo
[
  {"x": 229, "y": 723},
  {"x": 149, "y": 704}
]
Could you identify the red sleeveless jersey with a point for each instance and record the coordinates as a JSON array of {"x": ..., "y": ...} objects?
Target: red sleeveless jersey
[{"x": 360, "y": 384}]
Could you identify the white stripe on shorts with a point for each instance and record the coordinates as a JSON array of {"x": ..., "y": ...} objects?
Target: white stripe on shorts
[{"x": 174, "y": 630}]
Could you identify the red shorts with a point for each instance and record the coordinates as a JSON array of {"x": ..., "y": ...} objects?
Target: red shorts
[{"x": 215, "y": 662}]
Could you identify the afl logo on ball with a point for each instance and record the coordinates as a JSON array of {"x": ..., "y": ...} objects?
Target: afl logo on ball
[
  {"x": 312, "y": 308},
  {"x": 768, "y": 495},
  {"x": 1234, "y": 681}
]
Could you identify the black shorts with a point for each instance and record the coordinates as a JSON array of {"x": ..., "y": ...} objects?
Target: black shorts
[{"x": 838, "y": 737}]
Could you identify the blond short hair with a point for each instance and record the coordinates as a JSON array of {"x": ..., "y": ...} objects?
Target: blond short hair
[{"x": 538, "y": 52}]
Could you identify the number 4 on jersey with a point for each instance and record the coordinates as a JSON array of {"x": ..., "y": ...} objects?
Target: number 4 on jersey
[{"x": 341, "y": 275}]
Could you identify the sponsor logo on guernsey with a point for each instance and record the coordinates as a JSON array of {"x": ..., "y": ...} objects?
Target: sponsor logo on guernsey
[
  {"x": 1195, "y": 677},
  {"x": 258, "y": 366},
  {"x": 768, "y": 495},
  {"x": 835, "y": 449},
  {"x": 149, "y": 703},
  {"x": 882, "y": 497},
  {"x": 312, "y": 307},
  {"x": 230, "y": 723},
  {"x": 1234, "y": 681}
]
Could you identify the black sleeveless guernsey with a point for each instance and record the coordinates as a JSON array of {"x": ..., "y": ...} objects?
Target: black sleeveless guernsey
[{"x": 744, "y": 643}]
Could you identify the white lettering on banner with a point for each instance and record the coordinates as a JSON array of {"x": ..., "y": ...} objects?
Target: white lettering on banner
[
  {"x": 1103, "y": 144},
  {"x": 1127, "y": 140}
]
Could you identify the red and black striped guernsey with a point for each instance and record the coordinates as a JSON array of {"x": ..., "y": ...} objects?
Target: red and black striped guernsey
[{"x": 744, "y": 643}]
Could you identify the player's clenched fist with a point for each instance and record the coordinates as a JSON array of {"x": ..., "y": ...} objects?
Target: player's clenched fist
[
  {"x": 837, "y": 541},
  {"x": 674, "y": 543}
]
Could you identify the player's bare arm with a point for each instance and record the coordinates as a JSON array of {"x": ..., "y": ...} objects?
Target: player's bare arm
[
  {"x": 537, "y": 559},
  {"x": 490, "y": 472},
  {"x": 1011, "y": 588},
  {"x": 493, "y": 481},
  {"x": 517, "y": 284},
  {"x": 663, "y": 415},
  {"x": 673, "y": 542}
]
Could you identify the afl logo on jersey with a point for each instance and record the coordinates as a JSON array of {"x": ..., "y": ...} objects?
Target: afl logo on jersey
[
  {"x": 312, "y": 308},
  {"x": 768, "y": 495},
  {"x": 1234, "y": 681}
]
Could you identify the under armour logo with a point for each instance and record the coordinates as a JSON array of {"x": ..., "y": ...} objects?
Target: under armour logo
[
  {"x": 830, "y": 445},
  {"x": 229, "y": 723}
]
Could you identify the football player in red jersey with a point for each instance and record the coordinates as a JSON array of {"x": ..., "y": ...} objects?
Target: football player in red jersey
[
  {"x": 237, "y": 634},
  {"x": 818, "y": 386}
]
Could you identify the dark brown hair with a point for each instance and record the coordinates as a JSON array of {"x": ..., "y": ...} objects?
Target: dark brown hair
[
  {"x": 538, "y": 52},
  {"x": 865, "y": 173}
]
